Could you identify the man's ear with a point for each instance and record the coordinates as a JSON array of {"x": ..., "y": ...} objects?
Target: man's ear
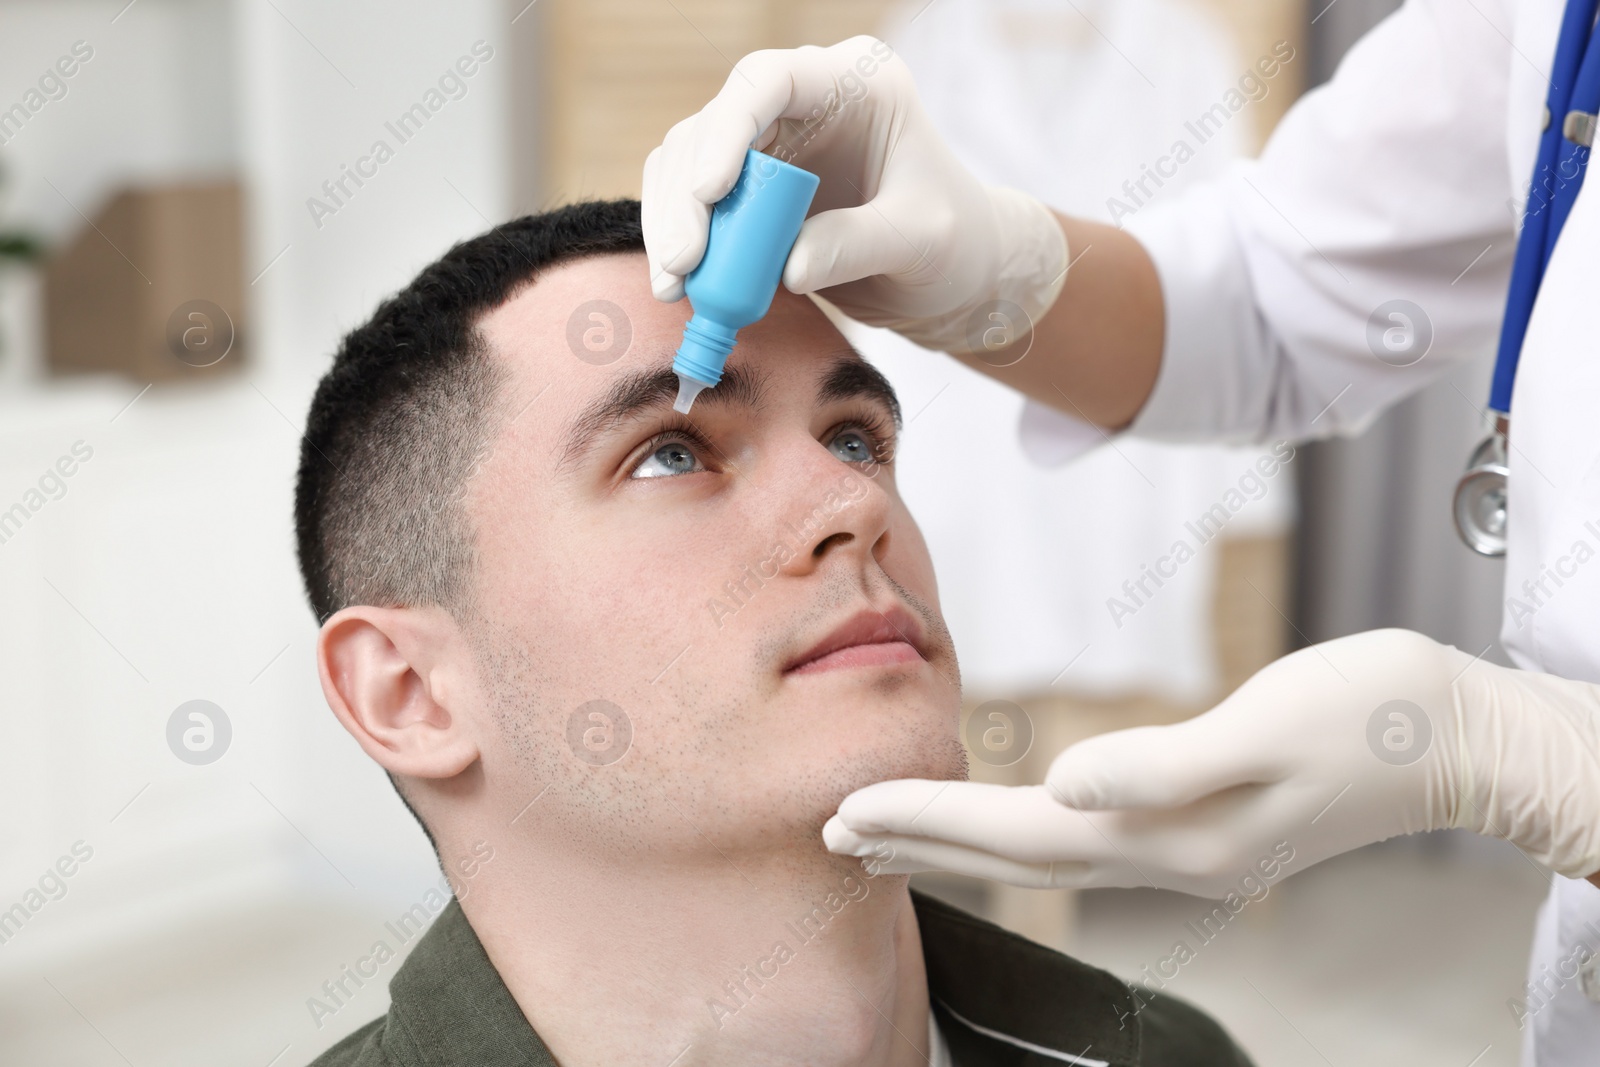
[{"x": 394, "y": 677}]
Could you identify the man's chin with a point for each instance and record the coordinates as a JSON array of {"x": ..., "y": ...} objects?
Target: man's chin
[{"x": 945, "y": 760}]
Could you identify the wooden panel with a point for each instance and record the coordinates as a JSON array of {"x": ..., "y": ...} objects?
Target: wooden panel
[
  {"x": 1252, "y": 607},
  {"x": 112, "y": 290},
  {"x": 1257, "y": 25},
  {"x": 619, "y": 73}
]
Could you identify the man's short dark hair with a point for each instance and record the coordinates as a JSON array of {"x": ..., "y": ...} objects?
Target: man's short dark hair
[{"x": 400, "y": 420}]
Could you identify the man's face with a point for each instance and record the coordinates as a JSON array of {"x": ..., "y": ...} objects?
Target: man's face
[{"x": 743, "y": 584}]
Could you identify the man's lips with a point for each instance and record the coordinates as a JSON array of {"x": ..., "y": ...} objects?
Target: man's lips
[{"x": 867, "y": 639}]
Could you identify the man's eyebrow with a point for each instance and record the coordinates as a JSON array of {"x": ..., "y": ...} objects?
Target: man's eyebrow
[
  {"x": 636, "y": 393},
  {"x": 853, "y": 378}
]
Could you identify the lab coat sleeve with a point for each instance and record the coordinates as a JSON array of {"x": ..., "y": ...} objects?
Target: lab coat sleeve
[{"x": 1389, "y": 184}]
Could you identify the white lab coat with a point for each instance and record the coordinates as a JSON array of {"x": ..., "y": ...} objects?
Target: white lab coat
[{"x": 1401, "y": 179}]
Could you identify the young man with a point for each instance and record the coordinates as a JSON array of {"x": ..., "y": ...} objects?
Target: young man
[{"x": 642, "y": 657}]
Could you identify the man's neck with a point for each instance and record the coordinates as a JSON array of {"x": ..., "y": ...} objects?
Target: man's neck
[{"x": 755, "y": 961}]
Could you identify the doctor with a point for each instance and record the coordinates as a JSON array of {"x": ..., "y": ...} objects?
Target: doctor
[{"x": 1369, "y": 246}]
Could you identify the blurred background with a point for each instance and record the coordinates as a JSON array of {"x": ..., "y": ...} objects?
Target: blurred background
[{"x": 194, "y": 207}]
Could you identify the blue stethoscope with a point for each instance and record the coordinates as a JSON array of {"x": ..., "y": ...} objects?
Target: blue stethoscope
[{"x": 1558, "y": 170}]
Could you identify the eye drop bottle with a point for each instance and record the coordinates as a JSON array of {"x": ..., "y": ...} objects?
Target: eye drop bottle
[{"x": 752, "y": 230}]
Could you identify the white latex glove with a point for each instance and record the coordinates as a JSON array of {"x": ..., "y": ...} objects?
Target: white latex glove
[
  {"x": 1311, "y": 752},
  {"x": 902, "y": 236}
]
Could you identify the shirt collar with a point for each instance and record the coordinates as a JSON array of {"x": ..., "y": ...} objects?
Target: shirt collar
[
  {"x": 991, "y": 989},
  {"x": 448, "y": 1005}
]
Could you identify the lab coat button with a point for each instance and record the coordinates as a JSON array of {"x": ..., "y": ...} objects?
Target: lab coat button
[{"x": 1589, "y": 978}]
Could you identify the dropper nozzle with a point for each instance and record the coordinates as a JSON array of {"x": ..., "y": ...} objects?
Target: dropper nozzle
[{"x": 688, "y": 389}]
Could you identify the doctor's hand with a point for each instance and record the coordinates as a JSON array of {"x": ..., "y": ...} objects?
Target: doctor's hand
[
  {"x": 902, "y": 236},
  {"x": 1332, "y": 747}
]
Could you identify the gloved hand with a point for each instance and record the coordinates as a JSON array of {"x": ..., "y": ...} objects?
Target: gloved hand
[
  {"x": 1332, "y": 747},
  {"x": 903, "y": 235}
]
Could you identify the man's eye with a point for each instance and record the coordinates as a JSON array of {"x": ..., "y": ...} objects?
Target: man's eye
[
  {"x": 672, "y": 458},
  {"x": 851, "y": 446}
]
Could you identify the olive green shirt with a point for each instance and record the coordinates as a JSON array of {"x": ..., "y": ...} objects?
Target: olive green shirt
[{"x": 999, "y": 999}]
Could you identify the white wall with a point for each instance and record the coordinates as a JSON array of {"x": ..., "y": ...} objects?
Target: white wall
[
  {"x": 166, "y": 571},
  {"x": 301, "y": 120}
]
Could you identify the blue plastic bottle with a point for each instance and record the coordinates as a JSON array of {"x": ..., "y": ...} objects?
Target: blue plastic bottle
[{"x": 752, "y": 230}]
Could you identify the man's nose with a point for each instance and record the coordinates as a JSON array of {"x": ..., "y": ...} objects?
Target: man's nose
[{"x": 833, "y": 508}]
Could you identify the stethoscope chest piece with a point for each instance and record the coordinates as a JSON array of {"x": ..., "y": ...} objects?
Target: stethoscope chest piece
[
  {"x": 1559, "y": 168},
  {"x": 1480, "y": 503}
]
